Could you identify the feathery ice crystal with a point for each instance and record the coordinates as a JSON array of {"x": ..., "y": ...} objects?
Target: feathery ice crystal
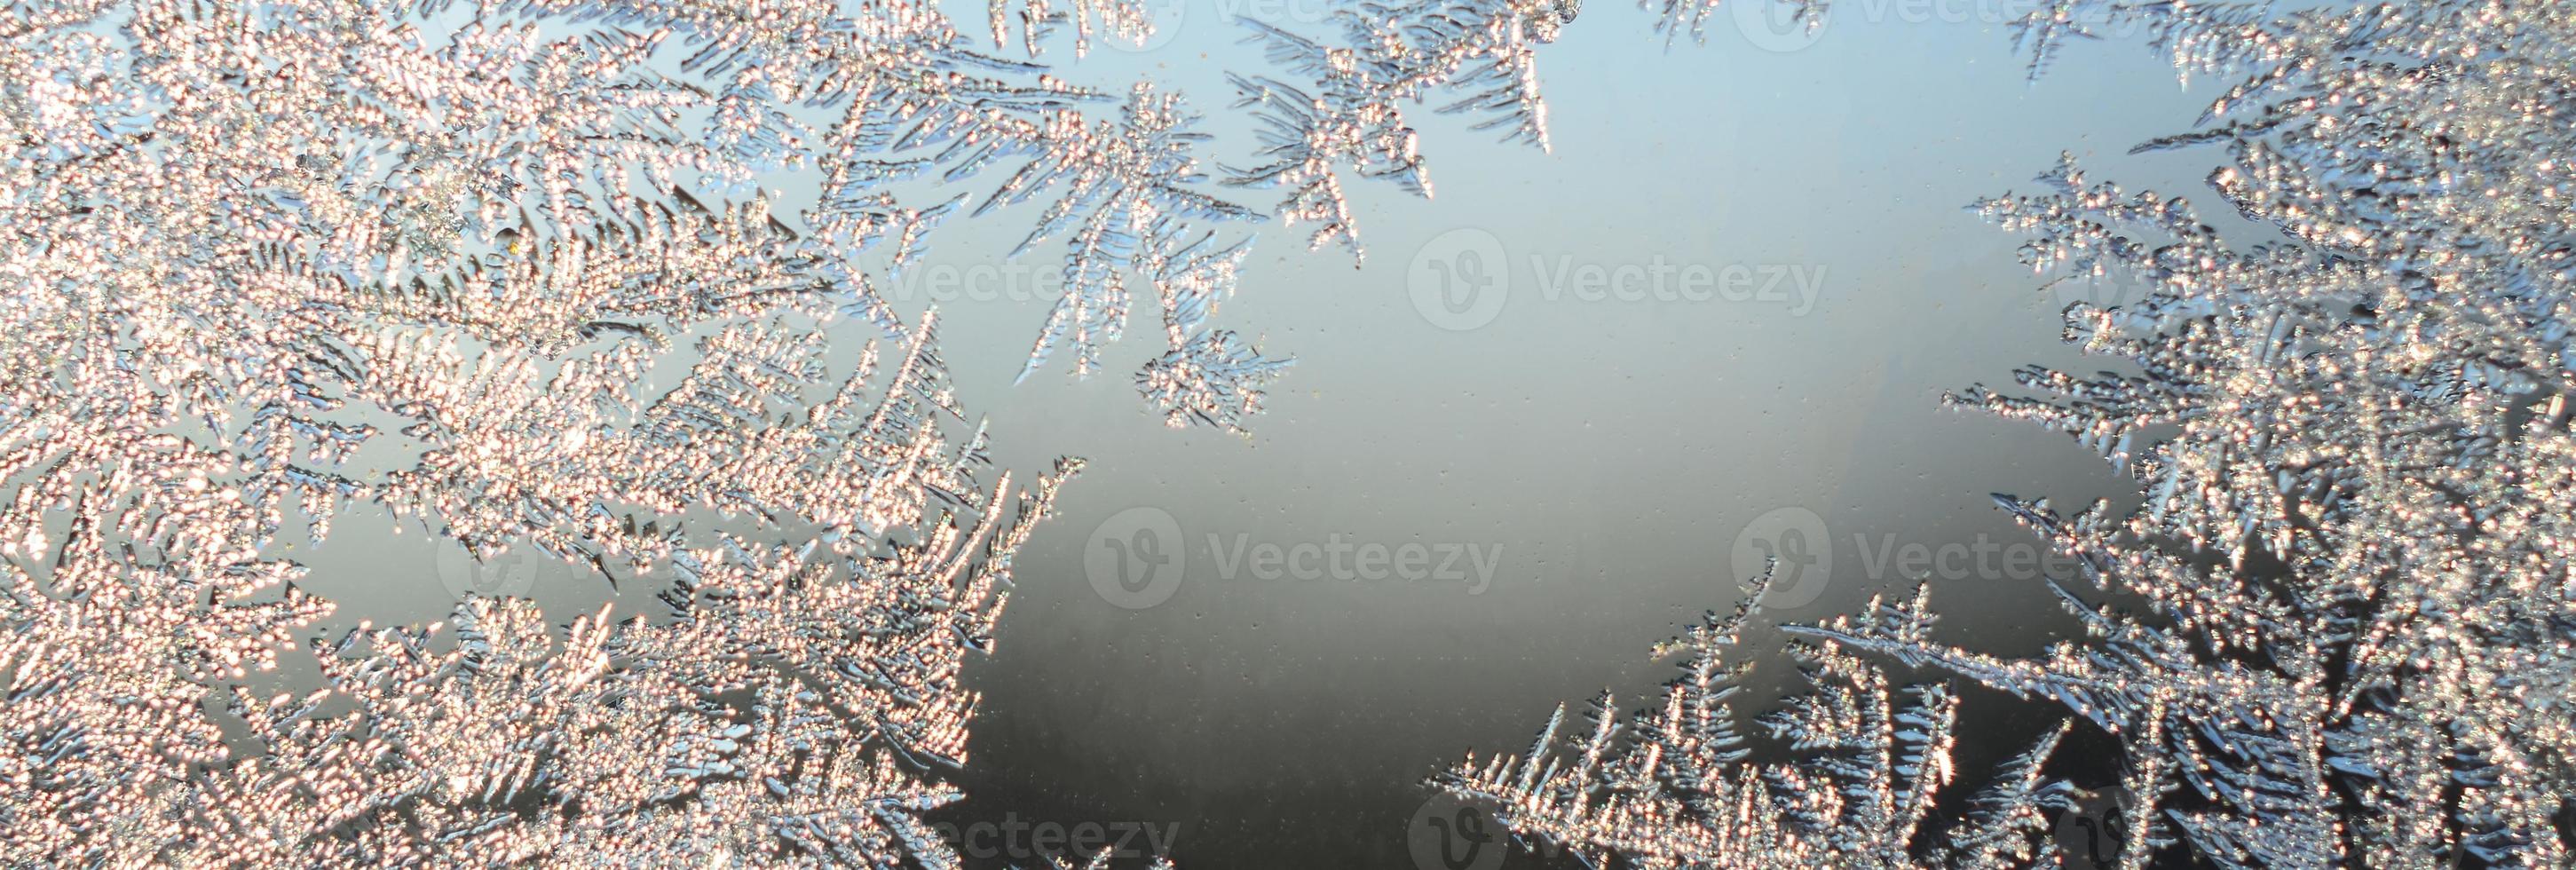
[
  {"x": 1672, "y": 787},
  {"x": 446, "y": 153},
  {"x": 271, "y": 261},
  {"x": 1480, "y": 54},
  {"x": 2341, "y": 628}
]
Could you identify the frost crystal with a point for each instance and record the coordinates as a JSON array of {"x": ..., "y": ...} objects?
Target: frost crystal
[
  {"x": 787, "y": 706},
  {"x": 1126, "y": 20},
  {"x": 1675, "y": 789},
  {"x": 2341, "y": 628},
  {"x": 419, "y": 148},
  {"x": 506, "y": 272},
  {"x": 1481, "y": 54}
]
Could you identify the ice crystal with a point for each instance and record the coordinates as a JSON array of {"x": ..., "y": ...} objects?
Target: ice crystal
[
  {"x": 1672, "y": 787},
  {"x": 394, "y": 141},
  {"x": 791, "y": 703},
  {"x": 1481, "y": 55},
  {"x": 1676, "y": 17},
  {"x": 1127, "y": 206},
  {"x": 1124, "y": 20},
  {"x": 767, "y": 714},
  {"x": 1211, "y": 375},
  {"x": 2358, "y": 641},
  {"x": 2340, "y": 629},
  {"x": 507, "y": 273}
]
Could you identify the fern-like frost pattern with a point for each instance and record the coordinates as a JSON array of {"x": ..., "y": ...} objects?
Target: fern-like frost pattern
[
  {"x": 506, "y": 272},
  {"x": 2338, "y": 630}
]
